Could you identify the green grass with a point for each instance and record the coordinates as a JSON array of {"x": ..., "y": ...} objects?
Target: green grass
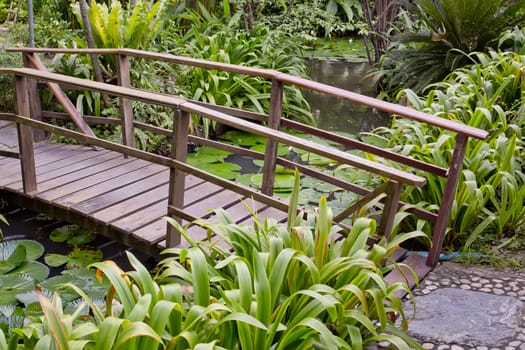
[{"x": 13, "y": 37}]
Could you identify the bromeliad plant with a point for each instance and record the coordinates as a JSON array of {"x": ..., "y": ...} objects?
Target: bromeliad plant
[{"x": 260, "y": 286}]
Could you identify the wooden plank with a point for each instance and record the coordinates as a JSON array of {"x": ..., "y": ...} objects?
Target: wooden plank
[
  {"x": 153, "y": 213},
  {"x": 92, "y": 179},
  {"x": 61, "y": 173},
  {"x": 417, "y": 263},
  {"x": 221, "y": 199},
  {"x": 114, "y": 196},
  {"x": 138, "y": 219},
  {"x": 6, "y": 162},
  {"x": 132, "y": 204},
  {"x": 109, "y": 184},
  {"x": 11, "y": 171},
  {"x": 152, "y": 232},
  {"x": 25, "y": 136}
]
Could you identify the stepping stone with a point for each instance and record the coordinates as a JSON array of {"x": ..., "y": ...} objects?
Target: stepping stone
[{"x": 457, "y": 316}]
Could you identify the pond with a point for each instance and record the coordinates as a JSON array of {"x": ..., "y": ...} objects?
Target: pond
[
  {"x": 25, "y": 224},
  {"x": 334, "y": 114}
]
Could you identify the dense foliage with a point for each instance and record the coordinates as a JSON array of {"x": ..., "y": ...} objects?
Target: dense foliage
[
  {"x": 438, "y": 37},
  {"x": 489, "y": 203},
  {"x": 245, "y": 295}
]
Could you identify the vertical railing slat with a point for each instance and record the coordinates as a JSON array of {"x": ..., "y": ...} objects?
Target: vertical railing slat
[
  {"x": 274, "y": 121},
  {"x": 179, "y": 150},
  {"x": 126, "y": 105},
  {"x": 440, "y": 228},
  {"x": 35, "y": 107},
  {"x": 393, "y": 193},
  {"x": 25, "y": 136}
]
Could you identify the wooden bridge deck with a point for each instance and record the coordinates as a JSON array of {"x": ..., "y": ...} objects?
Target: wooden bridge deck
[{"x": 121, "y": 197}]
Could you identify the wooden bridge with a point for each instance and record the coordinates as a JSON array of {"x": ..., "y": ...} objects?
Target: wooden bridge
[{"x": 121, "y": 191}]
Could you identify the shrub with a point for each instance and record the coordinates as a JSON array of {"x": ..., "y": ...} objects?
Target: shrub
[
  {"x": 439, "y": 37},
  {"x": 242, "y": 291},
  {"x": 491, "y": 192}
]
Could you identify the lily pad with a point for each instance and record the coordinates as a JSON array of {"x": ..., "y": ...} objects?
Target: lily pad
[
  {"x": 201, "y": 151},
  {"x": 315, "y": 159},
  {"x": 35, "y": 269},
  {"x": 282, "y": 181},
  {"x": 72, "y": 234},
  {"x": 77, "y": 258},
  {"x": 282, "y": 150},
  {"x": 11, "y": 285},
  {"x": 12, "y": 254},
  {"x": 201, "y": 161},
  {"x": 242, "y": 138},
  {"x": 34, "y": 249},
  {"x": 225, "y": 170}
]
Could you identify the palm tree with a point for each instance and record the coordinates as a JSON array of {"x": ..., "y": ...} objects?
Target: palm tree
[{"x": 441, "y": 37}]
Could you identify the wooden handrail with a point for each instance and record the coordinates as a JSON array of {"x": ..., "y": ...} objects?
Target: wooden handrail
[
  {"x": 232, "y": 117},
  {"x": 171, "y": 101},
  {"x": 385, "y": 106}
]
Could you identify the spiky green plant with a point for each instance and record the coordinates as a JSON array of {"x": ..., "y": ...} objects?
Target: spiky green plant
[
  {"x": 490, "y": 195},
  {"x": 241, "y": 291},
  {"x": 441, "y": 34}
]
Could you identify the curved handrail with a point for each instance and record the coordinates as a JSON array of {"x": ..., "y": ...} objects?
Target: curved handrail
[
  {"x": 172, "y": 101},
  {"x": 385, "y": 106}
]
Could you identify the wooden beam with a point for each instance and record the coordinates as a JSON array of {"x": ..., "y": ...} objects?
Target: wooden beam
[
  {"x": 179, "y": 147},
  {"x": 126, "y": 105},
  {"x": 62, "y": 98},
  {"x": 25, "y": 137}
]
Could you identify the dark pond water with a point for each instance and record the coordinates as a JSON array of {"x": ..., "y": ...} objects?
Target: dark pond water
[
  {"x": 25, "y": 224},
  {"x": 335, "y": 114}
]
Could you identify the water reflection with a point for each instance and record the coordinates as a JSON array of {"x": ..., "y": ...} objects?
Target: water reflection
[{"x": 335, "y": 114}]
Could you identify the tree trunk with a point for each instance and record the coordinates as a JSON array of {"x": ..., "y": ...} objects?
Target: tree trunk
[
  {"x": 379, "y": 16},
  {"x": 97, "y": 71}
]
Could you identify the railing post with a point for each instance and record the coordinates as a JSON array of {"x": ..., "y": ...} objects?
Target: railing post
[
  {"x": 390, "y": 208},
  {"x": 126, "y": 105},
  {"x": 25, "y": 136},
  {"x": 35, "y": 108},
  {"x": 438, "y": 234},
  {"x": 274, "y": 122},
  {"x": 179, "y": 150}
]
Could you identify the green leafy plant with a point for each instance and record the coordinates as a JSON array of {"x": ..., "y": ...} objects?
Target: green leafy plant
[
  {"x": 242, "y": 295},
  {"x": 439, "y": 37},
  {"x": 488, "y": 95}
]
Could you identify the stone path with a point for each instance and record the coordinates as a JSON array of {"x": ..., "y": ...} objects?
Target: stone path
[{"x": 459, "y": 307}]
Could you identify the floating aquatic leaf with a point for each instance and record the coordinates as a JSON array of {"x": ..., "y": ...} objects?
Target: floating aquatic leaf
[
  {"x": 282, "y": 182},
  {"x": 72, "y": 234},
  {"x": 35, "y": 269},
  {"x": 200, "y": 161},
  {"x": 11, "y": 285},
  {"x": 34, "y": 249},
  {"x": 282, "y": 150},
  {"x": 12, "y": 254},
  {"x": 55, "y": 260},
  {"x": 212, "y": 152},
  {"x": 315, "y": 159},
  {"x": 242, "y": 138}
]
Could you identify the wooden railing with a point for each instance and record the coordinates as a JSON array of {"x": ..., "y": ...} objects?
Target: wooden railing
[{"x": 240, "y": 119}]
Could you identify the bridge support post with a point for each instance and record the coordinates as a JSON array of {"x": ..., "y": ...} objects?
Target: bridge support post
[
  {"x": 390, "y": 208},
  {"x": 36, "y": 105},
  {"x": 179, "y": 150},
  {"x": 438, "y": 235},
  {"x": 25, "y": 136},
  {"x": 274, "y": 122},
  {"x": 126, "y": 106}
]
